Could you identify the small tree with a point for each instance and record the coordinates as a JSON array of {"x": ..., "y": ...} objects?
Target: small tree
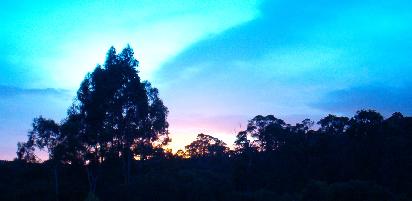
[
  {"x": 242, "y": 143},
  {"x": 303, "y": 127},
  {"x": 206, "y": 145},
  {"x": 45, "y": 135},
  {"x": 25, "y": 152}
]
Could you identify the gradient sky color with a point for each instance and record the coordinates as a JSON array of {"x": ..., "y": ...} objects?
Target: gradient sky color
[{"x": 216, "y": 63}]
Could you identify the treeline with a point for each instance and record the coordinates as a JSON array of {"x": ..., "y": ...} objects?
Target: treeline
[
  {"x": 111, "y": 147},
  {"x": 365, "y": 157}
]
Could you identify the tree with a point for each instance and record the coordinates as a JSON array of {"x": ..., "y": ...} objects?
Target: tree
[
  {"x": 25, "y": 152},
  {"x": 59, "y": 140},
  {"x": 303, "y": 127},
  {"x": 242, "y": 143},
  {"x": 156, "y": 130},
  {"x": 122, "y": 116},
  {"x": 395, "y": 124},
  {"x": 365, "y": 123},
  {"x": 206, "y": 145},
  {"x": 44, "y": 135},
  {"x": 332, "y": 124},
  {"x": 368, "y": 117},
  {"x": 115, "y": 116},
  {"x": 71, "y": 147},
  {"x": 268, "y": 131}
]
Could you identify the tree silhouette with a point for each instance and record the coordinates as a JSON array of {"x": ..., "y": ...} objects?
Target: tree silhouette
[
  {"x": 332, "y": 124},
  {"x": 25, "y": 152},
  {"x": 268, "y": 131},
  {"x": 115, "y": 116},
  {"x": 303, "y": 127},
  {"x": 122, "y": 115},
  {"x": 206, "y": 145},
  {"x": 242, "y": 142},
  {"x": 46, "y": 135},
  {"x": 365, "y": 123}
]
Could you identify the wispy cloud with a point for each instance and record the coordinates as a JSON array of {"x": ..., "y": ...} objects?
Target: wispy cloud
[{"x": 11, "y": 91}]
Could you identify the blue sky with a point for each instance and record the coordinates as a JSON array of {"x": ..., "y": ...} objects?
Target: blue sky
[{"x": 216, "y": 63}]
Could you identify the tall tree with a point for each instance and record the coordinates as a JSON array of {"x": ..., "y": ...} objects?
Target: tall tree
[
  {"x": 115, "y": 116},
  {"x": 121, "y": 114}
]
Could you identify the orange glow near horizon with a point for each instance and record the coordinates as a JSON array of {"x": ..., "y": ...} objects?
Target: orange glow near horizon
[{"x": 183, "y": 131}]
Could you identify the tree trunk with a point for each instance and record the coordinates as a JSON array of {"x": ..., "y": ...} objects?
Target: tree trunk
[
  {"x": 129, "y": 163},
  {"x": 56, "y": 182},
  {"x": 92, "y": 178},
  {"x": 127, "y": 166}
]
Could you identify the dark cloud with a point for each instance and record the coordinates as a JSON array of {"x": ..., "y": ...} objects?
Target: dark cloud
[{"x": 384, "y": 99}]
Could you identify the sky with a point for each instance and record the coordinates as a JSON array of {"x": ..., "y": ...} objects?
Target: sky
[{"x": 217, "y": 64}]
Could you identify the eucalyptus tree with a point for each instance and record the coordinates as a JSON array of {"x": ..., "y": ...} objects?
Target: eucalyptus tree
[
  {"x": 122, "y": 115},
  {"x": 115, "y": 116}
]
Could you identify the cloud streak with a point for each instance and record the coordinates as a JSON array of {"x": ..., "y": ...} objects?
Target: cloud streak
[{"x": 11, "y": 91}]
